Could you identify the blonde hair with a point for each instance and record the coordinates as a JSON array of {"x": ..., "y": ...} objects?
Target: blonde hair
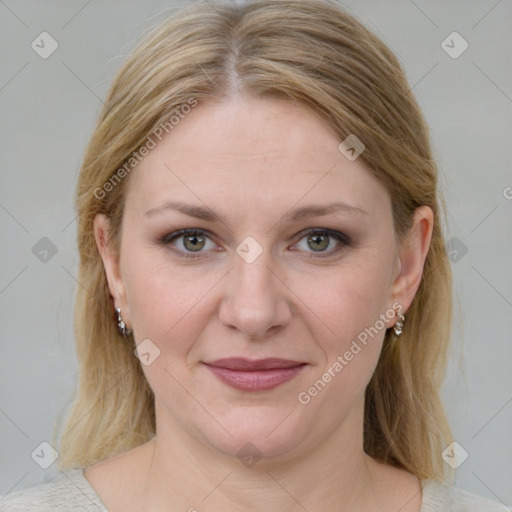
[{"x": 304, "y": 51}]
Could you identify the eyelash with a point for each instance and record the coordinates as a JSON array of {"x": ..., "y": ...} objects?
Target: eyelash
[{"x": 340, "y": 237}]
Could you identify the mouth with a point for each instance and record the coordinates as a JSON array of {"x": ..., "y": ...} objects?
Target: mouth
[{"x": 255, "y": 375}]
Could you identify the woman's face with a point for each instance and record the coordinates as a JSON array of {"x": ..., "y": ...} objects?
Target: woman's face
[{"x": 255, "y": 284}]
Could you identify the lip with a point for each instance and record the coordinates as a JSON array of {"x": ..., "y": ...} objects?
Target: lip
[{"x": 255, "y": 375}]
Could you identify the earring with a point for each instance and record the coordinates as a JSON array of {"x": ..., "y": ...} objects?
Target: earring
[
  {"x": 397, "y": 329},
  {"x": 121, "y": 325}
]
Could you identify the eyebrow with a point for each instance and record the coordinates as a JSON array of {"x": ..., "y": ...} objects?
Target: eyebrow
[{"x": 304, "y": 212}]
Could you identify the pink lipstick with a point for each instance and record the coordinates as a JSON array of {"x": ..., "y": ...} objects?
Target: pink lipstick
[{"x": 254, "y": 375}]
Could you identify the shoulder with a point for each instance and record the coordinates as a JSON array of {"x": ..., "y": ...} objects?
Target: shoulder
[
  {"x": 69, "y": 490},
  {"x": 443, "y": 497}
]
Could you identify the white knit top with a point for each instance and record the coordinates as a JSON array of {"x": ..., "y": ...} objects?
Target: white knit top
[{"x": 70, "y": 490}]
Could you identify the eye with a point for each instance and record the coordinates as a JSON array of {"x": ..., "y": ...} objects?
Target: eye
[
  {"x": 192, "y": 241},
  {"x": 319, "y": 240}
]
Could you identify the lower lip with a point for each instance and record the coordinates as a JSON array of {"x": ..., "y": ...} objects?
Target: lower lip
[{"x": 258, "y": 380}]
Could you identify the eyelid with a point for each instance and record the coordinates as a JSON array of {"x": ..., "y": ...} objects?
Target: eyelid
[{"x": 331, "y": 232}]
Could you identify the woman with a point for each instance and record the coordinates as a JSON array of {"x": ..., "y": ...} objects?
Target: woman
[{"x": 265, "y": 299}]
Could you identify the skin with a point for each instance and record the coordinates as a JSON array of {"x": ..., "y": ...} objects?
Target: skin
[{"x": 252, "y": 161}]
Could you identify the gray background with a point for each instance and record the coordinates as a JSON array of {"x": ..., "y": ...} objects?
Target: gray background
[{"x": 48, "y": 108}]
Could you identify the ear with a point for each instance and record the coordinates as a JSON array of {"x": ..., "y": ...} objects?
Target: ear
[
  {"x": 412, "y": 254},
  {"x": 111, "y": 264}
]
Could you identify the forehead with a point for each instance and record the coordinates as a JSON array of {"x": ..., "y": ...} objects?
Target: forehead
[{"x": 252, "y": 151}]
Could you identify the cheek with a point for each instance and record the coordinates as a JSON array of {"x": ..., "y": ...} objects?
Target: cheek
[
  {"x": 348, "y": 299},
  {"x": 347, "y": 303},
  {"x": 163, "y": 297},
  {"x": 167, "y": 307}
]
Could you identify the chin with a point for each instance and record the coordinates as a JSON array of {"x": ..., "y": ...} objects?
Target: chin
[{"x": 256, "y": 432}]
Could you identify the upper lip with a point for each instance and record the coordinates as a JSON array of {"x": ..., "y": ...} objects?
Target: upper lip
[{"x": 243, "y": 364}]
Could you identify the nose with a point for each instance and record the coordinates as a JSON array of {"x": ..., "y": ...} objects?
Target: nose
[{"x": 256, "y": 302}]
